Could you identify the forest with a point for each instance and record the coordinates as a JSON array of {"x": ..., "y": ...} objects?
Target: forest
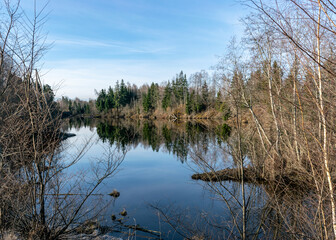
[{"x": 200, "y": 97}]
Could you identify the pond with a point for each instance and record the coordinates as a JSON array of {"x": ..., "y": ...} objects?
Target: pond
[{"x": 155, "y": 184}]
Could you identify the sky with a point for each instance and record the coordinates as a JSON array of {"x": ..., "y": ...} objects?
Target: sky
[{"x": 94, "y": 43}]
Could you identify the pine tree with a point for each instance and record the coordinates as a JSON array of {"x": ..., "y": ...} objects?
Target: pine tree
[
  {"x": 110, "y": 98},
  {"x": 219, "y": 101},
  {"x": 167, "y": 97},
  {"x": 150, "y": 99},
  {"x": 188, "y": 104},
  {"x": 146, "y": 103},
  {"x": 70, "y": 106},
  {"x": 100, "y": 103},
  {"x": 117, "y": 96},
  {"x": 123, "y": 93}
]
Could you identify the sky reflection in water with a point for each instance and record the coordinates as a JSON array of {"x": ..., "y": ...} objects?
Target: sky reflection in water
[{"x": 148, "y": 177}]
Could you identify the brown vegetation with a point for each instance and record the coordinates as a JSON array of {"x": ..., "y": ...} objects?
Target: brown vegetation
[
  {"x": 229, "y": 174},
  {"x": 37, "y": 200},
  {"x": 285, "y": 93}
]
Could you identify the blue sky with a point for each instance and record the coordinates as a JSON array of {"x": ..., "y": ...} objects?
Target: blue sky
[{"x": 97, "y": 42}]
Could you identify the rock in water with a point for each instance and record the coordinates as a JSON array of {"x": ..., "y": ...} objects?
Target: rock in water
[
  {"x": 114, "y": 193},
  {"x": 123, "y": 213}
]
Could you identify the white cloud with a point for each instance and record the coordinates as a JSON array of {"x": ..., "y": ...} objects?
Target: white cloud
[{"x": 150, "y": 47}]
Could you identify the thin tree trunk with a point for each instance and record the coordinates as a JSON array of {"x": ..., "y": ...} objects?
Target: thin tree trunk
[
  {"x": 324, "y": 127},
  {"x": 240, "y": 156},
  {"x": 295, "y": 116},
  {"x": 269, "y": 77}
]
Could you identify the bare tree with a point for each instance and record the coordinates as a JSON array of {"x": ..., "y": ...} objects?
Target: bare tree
[{"x": 35, "y": 201}]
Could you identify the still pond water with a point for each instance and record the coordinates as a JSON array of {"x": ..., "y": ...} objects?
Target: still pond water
[{"x": 154, "y": 179}]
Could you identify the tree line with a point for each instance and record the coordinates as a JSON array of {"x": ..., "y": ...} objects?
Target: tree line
[
  {"x": 73, "y": 107},
  {"x": 180, "y": 95}
]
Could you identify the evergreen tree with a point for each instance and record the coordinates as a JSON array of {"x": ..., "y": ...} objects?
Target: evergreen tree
[
  {"x": 167, "y": 97},
  {"x": 205, "y": 96},
  {"x": 154, "y": 94},
  {"x": 49, "y": 94},
  {"x": 189, "y": 104},
  {"x": 123, "y": 96},
  {"x": 110, "y": 98},
  {"x": 87, "y": 109},
  {"x": 180, "y": 88},
  {"x": 198, "y": 103},
  {"x": 150, "y": 99},
  {"x": 219, "y": 101},
  {"x": 184, "y": 86},
  {"x": 117, "y": 95},
  {"x": 70, "y": 106},
  {"x": 100, "y": 103},
  {"x": 146, "y": 103}
]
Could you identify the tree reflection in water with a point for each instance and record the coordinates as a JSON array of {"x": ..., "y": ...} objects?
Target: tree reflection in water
[
  {"x": 173, "y": 137},
  {"x": 272, "y": 210}
]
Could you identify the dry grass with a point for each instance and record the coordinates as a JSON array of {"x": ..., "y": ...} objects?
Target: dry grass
[{"x": 9, "y": 236}]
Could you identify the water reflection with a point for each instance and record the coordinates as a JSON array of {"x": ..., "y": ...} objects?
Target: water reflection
[
  {"x": 185, "y": 209},
  {"x": 174, "y": 137}
]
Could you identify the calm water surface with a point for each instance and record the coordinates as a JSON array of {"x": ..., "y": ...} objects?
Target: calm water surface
[{"x": 157, "y": 170}]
